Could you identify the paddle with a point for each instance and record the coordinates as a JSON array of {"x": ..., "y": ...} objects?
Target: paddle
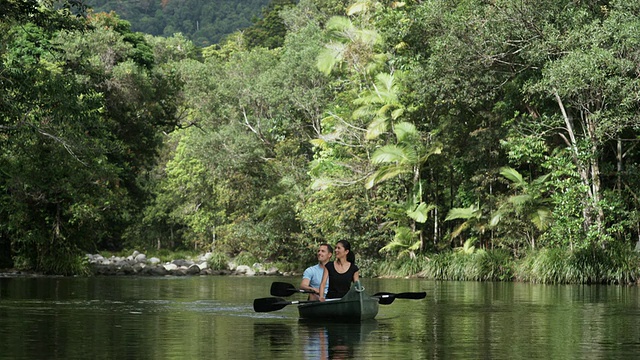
[
  {"x": 286, "y": 289},
  {"x": 273, "y": 304},
  {"x": 387, "y": 298}
]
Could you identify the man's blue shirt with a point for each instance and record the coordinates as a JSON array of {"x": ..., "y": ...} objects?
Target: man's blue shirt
[{"x": 314, "y": 274}]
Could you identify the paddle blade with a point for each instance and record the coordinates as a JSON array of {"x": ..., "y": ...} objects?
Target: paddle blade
[
  {"x": 282, "y": 289},
  {"x": 386, "y": 298},
  {"x": 412, "y": 295},
  {"x": 269, "y": 304}
]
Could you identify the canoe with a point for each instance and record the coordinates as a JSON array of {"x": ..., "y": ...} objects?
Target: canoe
[{"x": 356, "y": 305}]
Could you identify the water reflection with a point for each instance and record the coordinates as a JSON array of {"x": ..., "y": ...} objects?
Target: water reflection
[
  {"x": 335, "y": 340},
  {"x": 319, "y": 340},
  {"x": 276, "y": 335},
  {"x": 212, "y": 318}
]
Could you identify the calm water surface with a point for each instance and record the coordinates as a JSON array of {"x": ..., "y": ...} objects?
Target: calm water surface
[{"x": 212, "y": 318}]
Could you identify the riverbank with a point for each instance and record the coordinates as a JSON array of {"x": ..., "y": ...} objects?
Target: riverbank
[{"x": 139, "y": 264}]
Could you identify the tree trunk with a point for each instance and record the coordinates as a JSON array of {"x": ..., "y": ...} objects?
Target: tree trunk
[
  {"x": 589, "y": 173},
  {"x": 619, "y": 164}
]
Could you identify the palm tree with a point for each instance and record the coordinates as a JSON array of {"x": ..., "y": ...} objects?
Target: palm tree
[
  {"x": 473, "y": 219},
  {"x": 350, "y": 45},
  {"x": 405, "y": 158},
  {"x": 529, "y": 202},
  {"x": 381, "y": 103}
]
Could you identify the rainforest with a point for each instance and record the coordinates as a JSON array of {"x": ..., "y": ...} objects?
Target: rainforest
[{"x": 449, "y": 139}]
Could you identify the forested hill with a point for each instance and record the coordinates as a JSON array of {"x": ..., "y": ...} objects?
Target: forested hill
[{"x": 205, "y": 22}]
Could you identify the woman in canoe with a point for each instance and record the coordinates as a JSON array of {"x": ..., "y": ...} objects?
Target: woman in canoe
[{"x": 341, "y": 272}]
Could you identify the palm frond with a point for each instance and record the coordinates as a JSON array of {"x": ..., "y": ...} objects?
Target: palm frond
[
  {"x": 520, "y": 200},
  {"x": 376, "y": 128},
  {"x": 513, "y": 175},
  {"x": 385, "y": 173},
  {"x": 392, "y": 154},
  {"x": 404, "y": 130},
  {"x": 420, "y": 213},
  {"x": 463, "y": 213}
]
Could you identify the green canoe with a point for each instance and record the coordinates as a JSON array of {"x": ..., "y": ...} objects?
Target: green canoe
[{"x": 356, "y": 305}]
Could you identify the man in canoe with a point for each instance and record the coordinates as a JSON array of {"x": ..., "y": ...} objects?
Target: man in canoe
[
  {"x": 312, "y": 276},
  {"x": 341, "y": 273}
]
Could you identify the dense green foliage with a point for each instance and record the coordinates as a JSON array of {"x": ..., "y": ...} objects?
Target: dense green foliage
[
  {"x": 453, "y": 139},
  {"x": 204, "y": 22}
]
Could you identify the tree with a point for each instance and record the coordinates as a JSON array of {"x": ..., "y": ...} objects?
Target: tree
[
  {"x": 530, "y": 202},
  {"x": 75, "y": 136},
  {"x": 474, "y": 219}
]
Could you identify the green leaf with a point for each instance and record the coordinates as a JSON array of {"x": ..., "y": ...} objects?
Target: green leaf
[
  {"x": 513, "y": 175},
  {"x": 404, "y": 131},
  {"x": 420, "y": 213},
  {"x": 462, "y": 213},
  {"x": 384, "y": 173},
  {"x": 389, "y": 154}
]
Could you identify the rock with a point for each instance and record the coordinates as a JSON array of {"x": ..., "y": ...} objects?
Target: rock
[
  {"x": 185, "y": 263},
  {"x": 154, "y": 261},
  {"x": 179, "y": 272},
  {"x": 193, "y": 270},
  {"x": 125, "y": 270},
  {"x": 141, "y": 258},
  {"x": 157, "y": 271},
  {"x": 245, "y": 270},
  {"x": 138, "y": 267},
  {"x": 170, "y": 266},
  {"x": 104, "y": 270}
]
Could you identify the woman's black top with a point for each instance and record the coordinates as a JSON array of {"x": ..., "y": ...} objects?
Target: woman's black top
[{"x": 339, "y": 284}]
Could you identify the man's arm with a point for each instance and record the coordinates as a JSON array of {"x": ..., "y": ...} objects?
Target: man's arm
[{"x": 304, "y": 285}]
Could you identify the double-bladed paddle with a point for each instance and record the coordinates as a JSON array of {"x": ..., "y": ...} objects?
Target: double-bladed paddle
[
  {"x": 286, "y": 289},
  {"x": 273, "y": 304},
  {"x": 386, "y": 298}
]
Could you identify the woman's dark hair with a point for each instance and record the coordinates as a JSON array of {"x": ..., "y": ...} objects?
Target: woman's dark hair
[{"x": 351, "y": 257}]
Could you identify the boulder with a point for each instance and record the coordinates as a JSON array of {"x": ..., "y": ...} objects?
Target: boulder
[
  {"x": 170, "y": 266},
  {"x": 185, "y": 263},
  {"x": 138, "y": 267},
  {"x": 140, "y": 258},
  {"x": 245, "y": 270},
  {"x": 156, "y": 271},
  {"x": 193, "y": 270},
  {"x": 179, "y": 272}
]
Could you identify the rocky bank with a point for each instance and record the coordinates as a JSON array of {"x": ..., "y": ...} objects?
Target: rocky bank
[{"x": 138, "y": 264}]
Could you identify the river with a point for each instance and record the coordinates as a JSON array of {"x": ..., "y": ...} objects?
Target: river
[{"x": 212, "y": 318}]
